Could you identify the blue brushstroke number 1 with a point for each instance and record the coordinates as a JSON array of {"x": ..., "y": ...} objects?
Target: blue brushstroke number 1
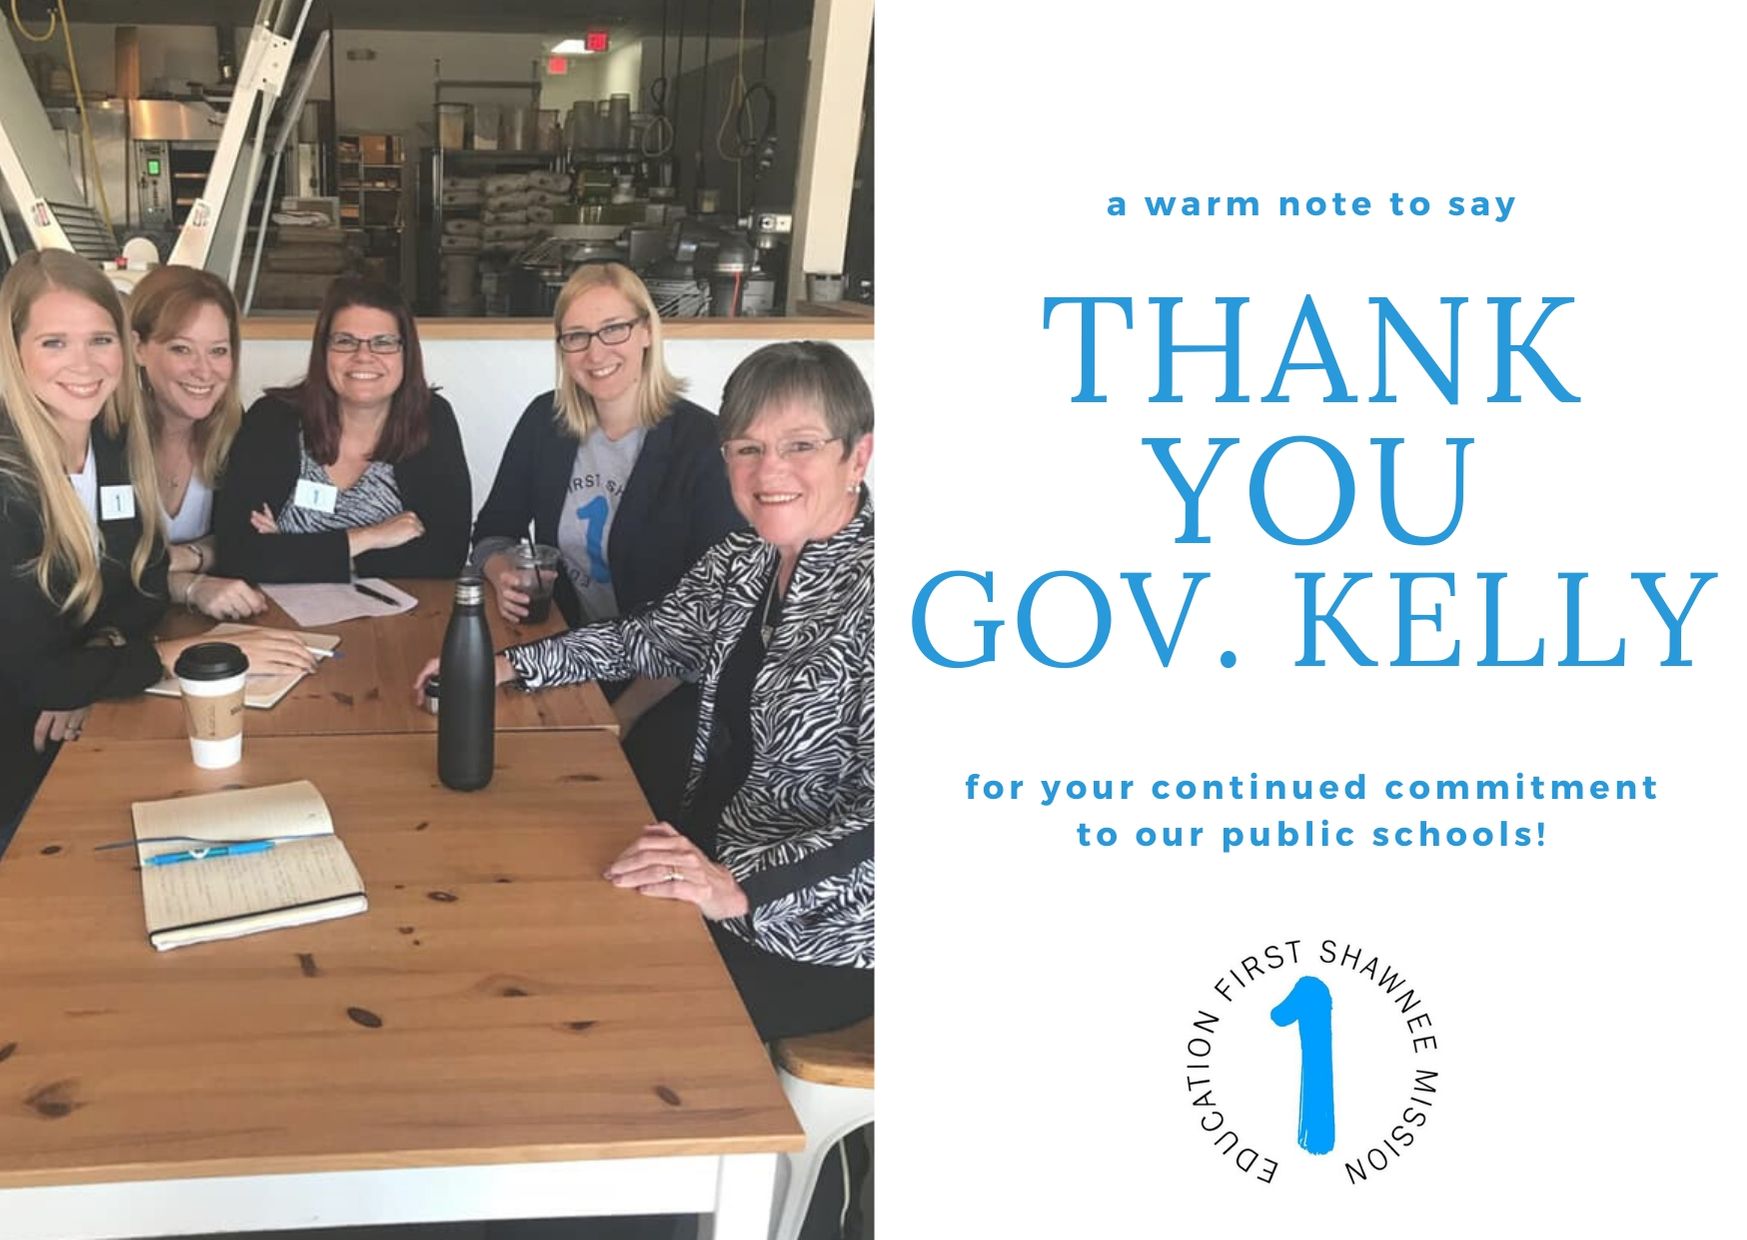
[{"x": 1310, "y": 1008}]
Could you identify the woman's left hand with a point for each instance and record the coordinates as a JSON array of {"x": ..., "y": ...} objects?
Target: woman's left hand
[
  {"x": 59, "y": 725},
  {"x": 262, "y": 520},
  {"x": 665, "y": 864}
]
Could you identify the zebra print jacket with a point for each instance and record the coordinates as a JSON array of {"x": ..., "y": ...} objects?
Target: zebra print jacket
[{"x": 798, "y": 835}]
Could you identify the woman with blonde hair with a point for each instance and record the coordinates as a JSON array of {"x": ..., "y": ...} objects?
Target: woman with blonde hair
[
  {"x": 81, "y": 532},
  {"x": 625, "y": 478},
  {"x": 187, "y": 341}
]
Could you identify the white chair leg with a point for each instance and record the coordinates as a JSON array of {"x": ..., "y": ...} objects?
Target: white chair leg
[{"x": 828, "y": 1113}]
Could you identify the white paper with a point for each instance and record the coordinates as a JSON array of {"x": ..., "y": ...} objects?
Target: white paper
[{"x": 317, "y": 603}]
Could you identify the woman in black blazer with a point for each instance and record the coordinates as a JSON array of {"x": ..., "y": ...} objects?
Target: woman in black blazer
[
  {"x": 357, "y": 468},
  {"x": 626, "y": 480}
]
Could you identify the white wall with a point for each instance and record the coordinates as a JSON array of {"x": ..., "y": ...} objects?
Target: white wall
[
  {"x": 490, "y": 382},
  {"x": 392, "y": 93},
  {"x": 170, "y": 56},
  {"x": 619, "y": 72}
]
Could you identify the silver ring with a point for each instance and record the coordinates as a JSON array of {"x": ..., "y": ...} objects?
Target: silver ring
[{"x": 673, "y": 874}]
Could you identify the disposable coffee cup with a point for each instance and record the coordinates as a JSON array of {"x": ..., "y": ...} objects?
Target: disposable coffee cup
[
  {"x": 212, "y": 675},
  {"x": 537, "y": 574}
]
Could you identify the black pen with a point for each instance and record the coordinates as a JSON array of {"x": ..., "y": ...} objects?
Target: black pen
[{"x": 378, "y": 595}]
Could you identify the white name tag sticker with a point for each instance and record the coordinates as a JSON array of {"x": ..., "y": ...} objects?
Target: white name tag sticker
[
  {"x": 115, "y": 503},
  {"x": 317, "y": 495}
]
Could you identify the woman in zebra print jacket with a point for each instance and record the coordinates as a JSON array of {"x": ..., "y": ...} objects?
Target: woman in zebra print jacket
[{"x": 775, "y": 845}]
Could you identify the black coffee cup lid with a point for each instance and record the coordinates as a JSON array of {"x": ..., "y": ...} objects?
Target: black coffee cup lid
[{"x": 211, "y": 661}]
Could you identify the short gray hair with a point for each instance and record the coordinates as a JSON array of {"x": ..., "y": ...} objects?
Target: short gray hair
[{"x": 813, "y": 371}]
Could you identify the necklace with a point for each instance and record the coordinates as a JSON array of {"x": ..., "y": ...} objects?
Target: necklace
[
  {"x": 176, "y": 476},
  {"x": 772, "y": 612}
]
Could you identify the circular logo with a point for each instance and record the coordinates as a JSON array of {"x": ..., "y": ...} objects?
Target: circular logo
[{"x": 1313, "y": 1058}]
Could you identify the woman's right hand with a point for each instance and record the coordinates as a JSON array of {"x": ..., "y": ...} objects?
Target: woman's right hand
[
  {"x": 274, "y": 651},
  {"x": 512, "y": 595},
  {"x": 501, "y": 671},
  {"x": 223, "y": 598},
  {"x": 398, "y": 530}
]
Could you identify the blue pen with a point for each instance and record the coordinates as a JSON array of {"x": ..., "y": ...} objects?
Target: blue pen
[{"x": 217, "y": 850}]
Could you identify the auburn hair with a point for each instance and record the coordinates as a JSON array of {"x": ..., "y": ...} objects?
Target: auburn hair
[{"x": 408, "y": 425}]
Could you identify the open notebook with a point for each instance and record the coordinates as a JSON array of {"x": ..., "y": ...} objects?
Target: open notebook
[
  {"x": 306, "y": 876},
  {"x": 259, "y": 691}
]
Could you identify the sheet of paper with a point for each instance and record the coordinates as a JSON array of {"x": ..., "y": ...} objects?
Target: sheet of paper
[
  {"x": 316, "y": 603},
  {"x": 263, "y": 691}
]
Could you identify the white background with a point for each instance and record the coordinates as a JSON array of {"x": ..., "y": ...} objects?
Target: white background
[{"x": 1035, "y": 997}]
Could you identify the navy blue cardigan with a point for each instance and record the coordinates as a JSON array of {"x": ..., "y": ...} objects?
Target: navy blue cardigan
[{"x": 675, "y": 507}]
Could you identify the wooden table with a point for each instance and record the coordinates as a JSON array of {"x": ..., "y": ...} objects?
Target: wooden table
[
  {"x": 499, "y": 1023},
  {"x": 370, "y": 688}
]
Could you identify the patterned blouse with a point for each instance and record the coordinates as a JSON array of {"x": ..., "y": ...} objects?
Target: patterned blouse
[
  {"x": 798, "y": 833},
  {"x": 371, "y": 500}
]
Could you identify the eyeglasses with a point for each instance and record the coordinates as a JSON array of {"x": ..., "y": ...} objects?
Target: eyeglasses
[
  {"x": 749, "y": 452},
  {"x": 577, "y": 341},
  {"x": 343, "y": 342}
]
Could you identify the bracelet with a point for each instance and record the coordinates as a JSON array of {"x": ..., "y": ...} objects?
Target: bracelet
[{"x": 199, "y": 557}]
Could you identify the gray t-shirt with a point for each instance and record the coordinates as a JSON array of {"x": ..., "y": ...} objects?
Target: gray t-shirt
[{"x": 597, "y": 484}]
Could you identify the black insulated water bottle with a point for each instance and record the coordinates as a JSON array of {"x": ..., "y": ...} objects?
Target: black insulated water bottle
[{"x": 466, "y": 726}]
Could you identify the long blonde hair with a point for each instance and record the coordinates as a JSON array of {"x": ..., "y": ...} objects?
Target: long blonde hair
[
  {"x": 69, "y": 570},
  {"x": 164, "y": 303},
  {"x": 656, "y": 389}
]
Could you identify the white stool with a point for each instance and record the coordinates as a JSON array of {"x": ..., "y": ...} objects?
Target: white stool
[{"x": 828, "y": 1078}]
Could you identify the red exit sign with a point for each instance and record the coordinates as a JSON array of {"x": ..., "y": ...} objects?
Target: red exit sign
[{"x": 595, "y": 40}]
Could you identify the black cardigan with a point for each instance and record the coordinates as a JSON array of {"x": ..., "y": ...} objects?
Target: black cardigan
[
  {"x": 675, "y": 507},
  {"x": 44, "y": 661},
  {"x": 263, "y": 469}
]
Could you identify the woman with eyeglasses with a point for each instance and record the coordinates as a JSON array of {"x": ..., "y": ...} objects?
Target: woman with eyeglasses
[
  {"x": 774, "y": 840},
  {"x": 624, "y": 477},
  {"x": 356, "y": 470}
]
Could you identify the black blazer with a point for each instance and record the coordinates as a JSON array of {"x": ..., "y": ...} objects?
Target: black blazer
[
  {"x": 263, "y": 468},
  {"x": 45, "y": 663},
  {"x": 676, "y": 503}
]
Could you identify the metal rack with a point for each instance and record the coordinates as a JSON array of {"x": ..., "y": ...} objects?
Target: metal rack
[
  {"x": 445, "y": 162},
  {"x": 370, "y": 189}
]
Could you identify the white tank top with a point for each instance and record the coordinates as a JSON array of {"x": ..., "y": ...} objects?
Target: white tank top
[{"x": 195, "y": 519}]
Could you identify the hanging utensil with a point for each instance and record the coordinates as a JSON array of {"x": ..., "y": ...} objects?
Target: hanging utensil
[
  {"x": 703, "y": 104},
  {"x": 658, "y": 135}
]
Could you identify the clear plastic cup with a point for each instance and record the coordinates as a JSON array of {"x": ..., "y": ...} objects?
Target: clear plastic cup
[{"x": 536, "y": 567}]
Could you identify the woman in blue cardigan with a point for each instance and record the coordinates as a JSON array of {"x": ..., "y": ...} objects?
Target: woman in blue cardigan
[{"x": 625, "y": 479}]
